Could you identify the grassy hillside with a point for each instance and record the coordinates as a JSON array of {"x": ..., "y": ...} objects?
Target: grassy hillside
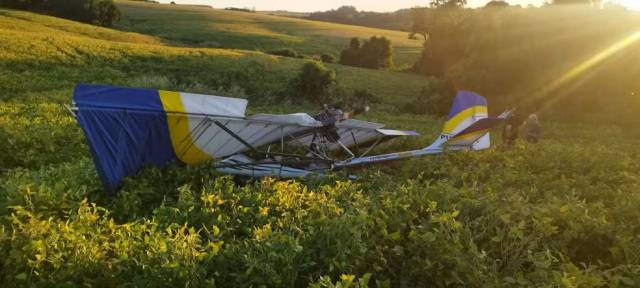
[
  {"x": 204, "y": 27},
  {"x": 563, "y": 213},
  {"x": 36, "y": 49}
]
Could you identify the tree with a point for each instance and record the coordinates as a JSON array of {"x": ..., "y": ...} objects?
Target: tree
[
  {"x": 105, "y": 13},
  {"x": 442, "y": 31},
  {"x": 420, "y": 22},
  {"x": 312, "y": 83},
  {"x": 350, "y": 55},
  {"x": 347, "y": 10},
  {"x": 573, "y": 2},
  {"x": 98, "y": 12},
  {"x": 497, "y": 4},
  {"x": 354, "y": 43},
  {"x": 376, "y": 53},
  {"x": 448, "y": 3}
]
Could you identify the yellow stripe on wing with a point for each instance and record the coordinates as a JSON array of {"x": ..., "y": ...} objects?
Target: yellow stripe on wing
[
  {"x": 183, "y": 145},
  {"x": 455, "y": 121}
]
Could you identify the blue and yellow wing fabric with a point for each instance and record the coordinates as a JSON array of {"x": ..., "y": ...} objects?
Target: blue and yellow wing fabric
[
  {"x": 129, "y": 128},
  {"x": 468, "y": 124}
]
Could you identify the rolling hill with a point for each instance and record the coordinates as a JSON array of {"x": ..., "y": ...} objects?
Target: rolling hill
[
  {"x": 194, "y": 26},
  {"x": 37, "y": 48}
]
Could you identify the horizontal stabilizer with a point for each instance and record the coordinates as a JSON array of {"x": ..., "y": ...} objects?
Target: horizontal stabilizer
[{"x": 473, "y": 133}]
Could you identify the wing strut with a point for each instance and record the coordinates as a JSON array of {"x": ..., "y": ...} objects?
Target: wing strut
[{"x": 245, "y": 143}]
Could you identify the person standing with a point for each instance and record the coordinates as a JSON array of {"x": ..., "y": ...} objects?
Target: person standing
[
  {"x": 532, "y": 129},
  {"x": 510, "y": 131}
]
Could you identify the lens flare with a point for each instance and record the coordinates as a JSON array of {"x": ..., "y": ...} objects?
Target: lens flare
[
  {"x": 598, "y": 58},
  {"x": 584, "y": 67}
]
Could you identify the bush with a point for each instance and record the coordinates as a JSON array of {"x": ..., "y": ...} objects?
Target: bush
[
  {"x": 312, "y": 84},
  {"x": 435, "y": 99},
  {"x": 327, "y": 58},
  {"x": 357, "y": 101},
  {"x": 37, "y": 134},
  {"x": 238, "y": 9},
  {"x": 287, "y": 52},
  {"x": 135, "y": 254},
  {"x": 376, "y": 53},
  {"x": 366, "y": 96},
  {"x": 352, "y": 101},
  {"x": 445, "y": 222},
  {"x": 350, "y": 55},
  {"x": 97, "y": 12}
]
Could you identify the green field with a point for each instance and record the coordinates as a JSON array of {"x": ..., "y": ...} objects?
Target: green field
[
  {"x": 192, "y": 26},
  {"x": 562, "y": 213}
]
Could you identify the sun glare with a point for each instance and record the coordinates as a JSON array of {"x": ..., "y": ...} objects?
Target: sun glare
[
  {"x": 586, "y": 66},
  {"x": 631, "y": 4},
  {"x": 597, "y": 59}
]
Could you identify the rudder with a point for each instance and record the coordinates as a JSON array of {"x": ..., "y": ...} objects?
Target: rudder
[{"x": 467, "y": 124}]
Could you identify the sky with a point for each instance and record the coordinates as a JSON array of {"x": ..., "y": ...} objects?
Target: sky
[
  {"x": 321, "y": 5},
  {"x": 366, "y": 5}
]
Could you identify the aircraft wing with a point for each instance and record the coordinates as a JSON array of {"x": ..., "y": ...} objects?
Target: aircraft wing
[
  {"x": 129, "y": 128},
  {"x": 358, "y": 133},
  {"x": 221, "y": 137}
]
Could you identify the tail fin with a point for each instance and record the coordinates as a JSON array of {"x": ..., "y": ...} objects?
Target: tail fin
[{"x": 468, "y": 124}]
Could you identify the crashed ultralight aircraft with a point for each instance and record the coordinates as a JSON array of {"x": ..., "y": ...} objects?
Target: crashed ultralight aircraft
[{"x": 128, "y": 128}]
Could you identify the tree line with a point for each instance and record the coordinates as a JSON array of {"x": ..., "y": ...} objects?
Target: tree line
[
  {"x": 402, "y": 20},
  {"x": 97, "y": 12},
  {"x": 397, "y": 20}
]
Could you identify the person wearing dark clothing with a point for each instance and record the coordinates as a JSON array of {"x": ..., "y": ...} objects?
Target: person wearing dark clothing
[
  {"x": 329, "y": 117},
  {"x": 509, "y": 134},
  {"x": 510, "y": 131},
  {"x": 532, "y": 129}
]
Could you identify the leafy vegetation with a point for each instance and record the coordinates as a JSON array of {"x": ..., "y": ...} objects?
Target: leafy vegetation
[
  {"x": 287, "y": 52},
  {"x": 312, "y": 84},
  {"x": 435, "y": 99},
  {"x": 376, "y": 53},
  {"x": 327, "y": 58},
  {"x": 473, "y": 219},
  {"x": 562, "y": 213},
  {"x": 98, "y": 12}
]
